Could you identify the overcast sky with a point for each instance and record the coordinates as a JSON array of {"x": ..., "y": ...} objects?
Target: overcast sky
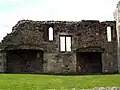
[{"x": 11, "y": 11}]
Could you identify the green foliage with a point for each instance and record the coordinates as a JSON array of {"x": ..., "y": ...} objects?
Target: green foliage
[{"x": 56, "y": 82}]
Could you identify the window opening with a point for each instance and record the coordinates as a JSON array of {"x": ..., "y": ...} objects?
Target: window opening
[
  {"x": 65, "y": 43},
  {"x": 50, "y": 34},
  {"x": 109, "y": 34}
]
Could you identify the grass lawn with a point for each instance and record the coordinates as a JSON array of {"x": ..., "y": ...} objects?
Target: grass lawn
[{"x": 56, "y": 82}]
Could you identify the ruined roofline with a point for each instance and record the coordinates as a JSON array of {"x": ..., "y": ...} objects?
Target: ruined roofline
[
  {"x": 20, "y": 22},
  {"x": 53, "y": 21},
  {"x": 57, "y": 21},
  {"x": 66, "y": 22}
]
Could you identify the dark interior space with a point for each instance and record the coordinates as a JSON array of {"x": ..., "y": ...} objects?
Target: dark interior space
[
  {"x": 89, "y": 62},
  {"x": 24, "y": 61}
]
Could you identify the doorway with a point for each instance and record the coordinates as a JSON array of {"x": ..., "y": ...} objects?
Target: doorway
[
  {"x": 89, "y": 62},
  {"x": 25, "y": 61}
]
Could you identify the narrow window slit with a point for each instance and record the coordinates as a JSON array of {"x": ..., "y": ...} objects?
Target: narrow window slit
[
  {"x": 68, "y": 43},
  {"x": 50, "y": 34},
  {"x": 109, "y": 34},
  {"x": 62, "y": 43}
]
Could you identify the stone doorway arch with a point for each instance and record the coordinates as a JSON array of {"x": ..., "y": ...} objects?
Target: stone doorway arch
[{"x": 24, "y": 61}]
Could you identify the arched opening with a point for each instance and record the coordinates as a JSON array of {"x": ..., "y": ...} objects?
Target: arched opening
[
  {"x": 24, "y": 61},
  {"x": 89, "y": 61},
  {"x": 50, "y": 30}
]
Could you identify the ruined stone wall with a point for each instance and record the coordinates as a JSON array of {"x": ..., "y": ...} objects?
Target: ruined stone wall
[
  {"x": 94, "y": 34},
  {"x": 110, "y": 54},
  {"x": 2, "y": 62},
  {"x": 28, "y": 34}
]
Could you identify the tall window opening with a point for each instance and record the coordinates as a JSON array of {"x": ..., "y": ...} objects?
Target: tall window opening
[
  {"x": 68, "y": 43},
  {"x": 109, "y": 34},
  {"x": 50, "y": 34},
  {"x": 65, "y": 43},
  {"x": 62, "y": 43}
]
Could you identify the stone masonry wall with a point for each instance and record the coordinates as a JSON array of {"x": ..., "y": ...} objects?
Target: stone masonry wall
[
  {"x": 2, "y": 61},
  {"x": 27, "y": 34}
]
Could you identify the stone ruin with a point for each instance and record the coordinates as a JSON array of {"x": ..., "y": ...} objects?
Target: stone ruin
[{"x": 29, "y": 48}]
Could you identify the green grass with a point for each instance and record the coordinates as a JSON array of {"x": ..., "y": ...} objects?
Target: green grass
[{"x": 57, "y": 82}]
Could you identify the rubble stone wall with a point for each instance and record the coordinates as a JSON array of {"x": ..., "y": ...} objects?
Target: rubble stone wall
[
  {"x": 2, "y": 62},
  {"x": 86, "y": 34}
]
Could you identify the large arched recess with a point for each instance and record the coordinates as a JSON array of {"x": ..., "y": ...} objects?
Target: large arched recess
[
  {"x": 89, "y": 60},
  {"x": 24, "y": 61}
]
